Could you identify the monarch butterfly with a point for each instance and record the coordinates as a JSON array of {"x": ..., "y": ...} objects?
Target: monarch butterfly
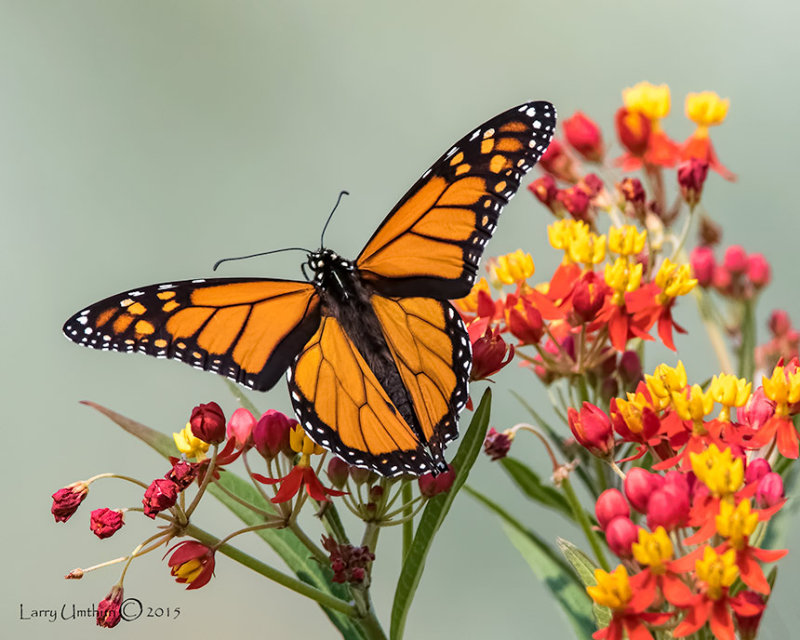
[{"x": 378, "y": 360}]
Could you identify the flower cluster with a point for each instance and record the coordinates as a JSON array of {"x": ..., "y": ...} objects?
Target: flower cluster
[
  {"x": 738, "y": 276},
  {"x": 290, "y": 464}
]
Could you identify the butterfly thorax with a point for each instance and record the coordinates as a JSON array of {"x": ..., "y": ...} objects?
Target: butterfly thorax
[{"x": 346, "y": 297}]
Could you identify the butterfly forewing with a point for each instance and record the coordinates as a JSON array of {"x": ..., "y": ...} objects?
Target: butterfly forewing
[
  {"x": 248, "y": 330},
  {"x": 432, "y": 241}
]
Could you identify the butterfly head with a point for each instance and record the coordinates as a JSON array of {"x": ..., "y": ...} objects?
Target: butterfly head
[{"x": 327, "y": 266}]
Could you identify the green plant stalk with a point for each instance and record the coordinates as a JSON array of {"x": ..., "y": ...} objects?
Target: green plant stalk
[
  {"x": 747, "y": 365},
  {"x": 408, "y": 525},
  {"x": 583, "y": 521},
  {"x": 273, "y": 574}
]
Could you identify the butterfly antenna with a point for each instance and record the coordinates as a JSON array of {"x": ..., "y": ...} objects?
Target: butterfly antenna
[
  {"x": 327, "y": 222},
  {"x": 255, "y": 255}
]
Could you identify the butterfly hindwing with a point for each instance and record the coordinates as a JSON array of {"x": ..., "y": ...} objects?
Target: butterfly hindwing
[
  {"x": 248, "y": 329},
  {"x": 430, "y": 347},
  {"x": 343, "y": 406},
  {"x": 430, "y": 244}
]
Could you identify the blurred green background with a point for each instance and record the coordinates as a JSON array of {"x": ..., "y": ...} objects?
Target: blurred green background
[{"x": 141, "y": 141}]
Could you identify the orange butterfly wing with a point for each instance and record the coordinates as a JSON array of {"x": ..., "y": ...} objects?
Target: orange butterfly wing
[
  {"x": 248, "y": 330},
  {"x": 430, "y": 244},
  {"x": 343, "y": 406}
]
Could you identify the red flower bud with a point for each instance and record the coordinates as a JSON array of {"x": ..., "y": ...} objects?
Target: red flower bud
[
  {"x": 191, "y": 563},
  {"x": 769, "y": 490},
  {"x": 633, "y": 130},
  {"x": 611, "y": 504},
  {"x": 779, "y": 323},
  {"x": 758, "y": 270},
  {"x": 271, "y": 434},
  {"x": 545, "y": 190},
  {"x": 338, "y": 472},
  {"x": 584, "y": 136},
  {"x": 527, "y": 327},
  {"x": 630, "y": 369},
  {"x": 490, "y": 353},
  {"x": 576, "y": 201},
  {"x": 240, "y": 428},
  {"x": 208, "y": 423},
  {"x": 588, "y": 297},
  {"x": 621, "y": 533},
  {"x": 108, "y": 609},
  {"x": 104, "y": 523},
  {"x": 430, "y": 485},
  {"x": 703, "y": 265},
  {"x": 640, "y": 484},
  {"x": 722, "y": 280},
  {"x": 592, "y": 429},
  {"x": 349, "y": 563},
  {"x": 667, "y": 507},
  {"x": 691, "y": 178},
  {"x": 557, "y": 162},
  {"x": 735, "y": 259},
  {"x": 756, "y": 469},
  {"x": 497, "y": 444},
  {"x": 161, "y": 494},
  {"x": 748, "y": 624},
  {"x": 359, "y": 475},
  {"x": 67, "y": 500}
]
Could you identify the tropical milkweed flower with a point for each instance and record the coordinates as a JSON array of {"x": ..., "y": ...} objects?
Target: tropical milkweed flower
[
  {"x": 67, "y": 500},
  {"x": 104, "y": 523},
  {"x": 191, "y": 563},
  {"x": 584, "y": 136},
  {"x": 705, "y": 109}
]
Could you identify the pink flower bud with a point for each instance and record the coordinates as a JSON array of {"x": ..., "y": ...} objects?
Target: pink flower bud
[
  {"x": 769, "y": 490},
  {"x": 758, "y": 410},
  {"x": 640, "y": 484},
  {"x": 667, "y": 507},
  {"x": 208, "y": 423},
  {"x": 338, "y": 472},
  {"x": 592, "y": 429},
  {"x": 779, "y": 323},
  {"x": 430, "y": 485},
  {"x": 722, "y": 279},
  {"x": 610, "y": 504},
  {"x": 240, "y": 428},
  {"x": 557, "y": 162},
  {"x": 758, "y": 270},
  {"x": 576, "y": 201},
  {"x": 735, "y": 259},
  {"x": 621, "y": 533},
  {"x": 703, "y": 264},
  {"x": 756, "y": 469},
  {"x": 271, "y": 433}
]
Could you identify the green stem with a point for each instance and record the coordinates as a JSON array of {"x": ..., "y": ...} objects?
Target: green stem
[
  {"x": 324, "y": 599},
  {"x": 408, "y": 525},
  {"x": 747, "y": 365},
  {"x": 318, "y": 553},
  {"x": 583, "y": 521}
]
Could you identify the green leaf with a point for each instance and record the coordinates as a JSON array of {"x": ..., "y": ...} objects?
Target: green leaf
[
  {"x": 585, "y": 568},
  {"x": 582, "y": 563},
  {"x": 434, "y": 514},
  {"x": 573, "y": 599},
  {"x": 548, "y": 566},
  {"x": 531, "y": 485},
  {"x": 283, "y": 541}
]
